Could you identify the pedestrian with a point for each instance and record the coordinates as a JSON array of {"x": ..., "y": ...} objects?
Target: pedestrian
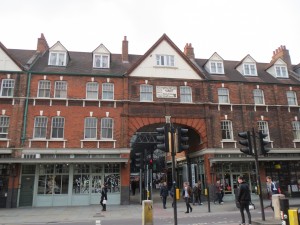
[
  {"x": 195, "y": 194},
  {"x": 103, "y": 200},
  {"x": 133, "y": 187},
  {"x": 187, "y": 194},
  {"x": 172, "y": 194},
  {"x": 199, "y": 189},
  {"x": 218, "y": 193},
  {"x": 164, "y": 192},
  {"x": 244, "y": 199},
  {"x": 272, "y": 188}
]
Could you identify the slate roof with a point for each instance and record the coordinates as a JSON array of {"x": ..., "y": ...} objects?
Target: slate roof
[{"x": 82, "y": 63}]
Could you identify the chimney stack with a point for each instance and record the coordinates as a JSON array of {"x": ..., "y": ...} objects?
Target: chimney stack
[
  {"x": 125, "y": 50},
  {"x": 283, "y": 53},
  {"x": 42, "y": 45},
  {"x": 189, "y": 51}
]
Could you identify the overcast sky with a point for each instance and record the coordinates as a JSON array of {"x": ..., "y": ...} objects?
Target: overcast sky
[{"x": 232, "y": 28}]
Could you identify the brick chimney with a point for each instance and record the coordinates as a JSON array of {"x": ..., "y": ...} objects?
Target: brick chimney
[
  {"x": 125, "y": 50},
  {"x": 42, "y": 44},
  {"x": 189, "y": 51},
  {"x": 282, "y": 53}
]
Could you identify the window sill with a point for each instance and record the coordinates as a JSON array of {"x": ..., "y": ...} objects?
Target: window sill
[
  {"x": 228, "y": 141},
  {"x": 47, "y": 141},
  {"x": 98, "y": 141},
  {"x": 166, "y": 67},
  {"x": 7, "y": 141}
]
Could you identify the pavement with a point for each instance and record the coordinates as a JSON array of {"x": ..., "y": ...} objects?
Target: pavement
[{"x": 77, "y": 214}]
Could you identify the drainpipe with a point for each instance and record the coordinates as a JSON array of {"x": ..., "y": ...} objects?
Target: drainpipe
[{"x": 23, "y": 138}]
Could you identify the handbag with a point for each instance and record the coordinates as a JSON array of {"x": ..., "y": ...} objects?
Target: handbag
[
  {"x": 104, "y": 201},
  {"x": 251, "y": 206}
]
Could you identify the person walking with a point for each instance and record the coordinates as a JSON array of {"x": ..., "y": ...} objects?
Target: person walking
[
  {"x": 103, "y": 200},
  {"x": 187, "y": 194},
  {"x": 199, "y": 189},
  {"x": 164, "y": 192},
  {"x": 272, "y": 189},
  {"x": 218, "y": 192},
  {"x": 244, "y": 199},
  {"x": 172, "y": 194}
]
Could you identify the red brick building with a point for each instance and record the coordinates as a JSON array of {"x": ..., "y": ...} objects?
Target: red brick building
[{"x": 68, "y": 119}]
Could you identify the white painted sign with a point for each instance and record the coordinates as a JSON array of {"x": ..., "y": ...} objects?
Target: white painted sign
[{"x": 166, "y": 91}]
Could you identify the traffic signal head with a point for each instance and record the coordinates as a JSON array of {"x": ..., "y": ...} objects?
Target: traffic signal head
[
  {"x": 182, "y": 139},
  {"x": 263, "y": 149},
  {"x": 162, "y": 138},
  {"x": 139, "y": 160},
  {"x": 246, "y": 141}
]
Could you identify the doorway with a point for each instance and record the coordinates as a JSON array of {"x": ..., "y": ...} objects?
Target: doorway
[{"x": 26, "y": 192}]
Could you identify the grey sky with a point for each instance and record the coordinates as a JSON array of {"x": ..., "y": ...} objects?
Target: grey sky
[{"x": 232, "y": 28}]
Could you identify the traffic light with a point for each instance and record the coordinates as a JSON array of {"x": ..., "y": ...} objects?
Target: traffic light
[
  {"x": 263, "y": 149},
  {"x": 162, "y": 138},
  {"x": 182, "y": 139},
  {"x": 246, "y": 141},
  {"x": 139, "y": 160},
  {"x": 151, "y": 164}
]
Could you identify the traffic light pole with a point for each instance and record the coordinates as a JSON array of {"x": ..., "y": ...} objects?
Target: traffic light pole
[
  {"x": 258, "y": 176},
  {"x": 171, "y": 139}
]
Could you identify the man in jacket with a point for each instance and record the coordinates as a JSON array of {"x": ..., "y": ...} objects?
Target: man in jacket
[
  {"x": 244, "y": 199},
  {"x": 164, "y": 192},
  {"x": 272, "y": 189},
  {"x": 103, "y": 197},
  {"x": 187, "y": 194}
]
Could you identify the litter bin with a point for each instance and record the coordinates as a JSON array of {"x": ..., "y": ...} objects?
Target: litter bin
[{"x": 284, "y": 208}]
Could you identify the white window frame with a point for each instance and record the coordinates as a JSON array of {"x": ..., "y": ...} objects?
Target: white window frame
[
  {"x": 92, "y": 90},
  {"x": 258, "y": 97},
  {"x": 101, "y": 61},
  {"x": 4, "y": 126},
  {"x": 60, "y": 89},
  {"x": 250, "y": 69},
  {"x": 223, "y": 96},
  {"x": 44, "y": 87},
  {"x": 281, "y": 71},
  {"x": 146, "y": 93},
  {"x": 291, "y": 98},
  {"x": 165, "y": 60},
  {"x": 296, "y": 129},
  {"x": 57, "y": 124},
  {"x": 185, "y": 94},
  {"x": 107, "y": 125},
  {"x": 40, "y": 127},
  {"x": 90, "y": 127},
  {"x": 226, "y": 130},
  {"x": 264, "y": 128},
  {"x": 57, "y": 59},
  {"x": 107, "y": 91},
  {"x": 216, "y": 67},
  {"x": 7, "y": 88}
]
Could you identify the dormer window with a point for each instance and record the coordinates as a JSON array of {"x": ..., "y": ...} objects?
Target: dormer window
[
  {"x": 281, "y": 71},
  {"x": 216, "y": 67},
  {"x": 165, "y": 60},
  {"x": 250, "y": 69},
  {"x": 57, "y": 59},
  {"x": 101, "y": 61}
]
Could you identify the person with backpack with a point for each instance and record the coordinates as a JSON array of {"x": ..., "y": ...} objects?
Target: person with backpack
[
  {"x": 272, "y": 189},
  {"x": 187, "y": 194},
  {"x": 244, "y": 199}
]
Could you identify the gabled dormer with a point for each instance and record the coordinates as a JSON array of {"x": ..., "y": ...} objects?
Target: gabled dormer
[
  {"x": 278, "y": 69},
  {"x": 247, "y": 66},
  {"x": 7, "y": 61},
  {"x": 214, "y": 64},
  {"x": 101, "y": 57},
  {"x": 165, "y": 60},
  {"x": 58, "y": 55}
]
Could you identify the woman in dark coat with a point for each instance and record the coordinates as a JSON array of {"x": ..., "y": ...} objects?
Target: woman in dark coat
[
  {"x": 164, "y": 192},
  {"x": 103, "y": 197}
]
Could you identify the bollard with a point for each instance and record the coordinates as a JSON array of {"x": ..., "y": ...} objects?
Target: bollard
[
  {"x": 276, "y": 205},
  {"x": 293, "y": 216},
  {"x": 177, "y": 194},
  {"x": 284, "y": 207},
  {"x": 147, "y": 215}
]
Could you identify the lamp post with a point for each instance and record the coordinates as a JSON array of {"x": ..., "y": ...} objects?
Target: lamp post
[{"x": 171, "y": 139}]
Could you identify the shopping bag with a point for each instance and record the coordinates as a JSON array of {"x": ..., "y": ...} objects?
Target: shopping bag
[
  {"x": 104, "y": 202},
  {"x": 251, "y": 206}
]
